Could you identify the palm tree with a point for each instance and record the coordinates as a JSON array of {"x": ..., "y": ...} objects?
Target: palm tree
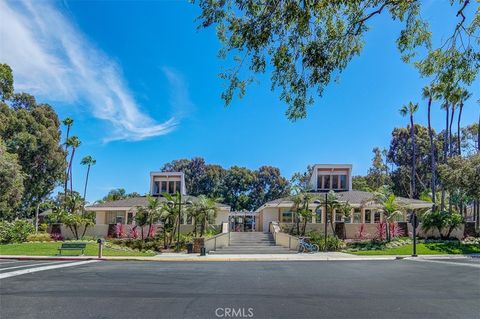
[
  {"x": 141, "y": 218},
  {"x": 430, "y": 93},
  {"x": 154, "y": 211},
  {"x": 301, "y": 209},
  {"x": 68, "y": 122},
  {"x": 389, "y": 206},
  {"x": 74, "y": 143},
  {"x": 89, "y": 161},
  {"x": 465, "y": 95},
  {"x": 410, "y": 109},
  {"x": 206, "y": 210}
]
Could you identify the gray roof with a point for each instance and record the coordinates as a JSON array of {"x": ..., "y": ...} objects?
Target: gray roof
[
  {"x": 354, "y": 197},
  {"x": 140, "y": 201}
]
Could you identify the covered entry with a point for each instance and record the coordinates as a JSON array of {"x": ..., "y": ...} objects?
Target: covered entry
[{"x": 243, "y": 221}]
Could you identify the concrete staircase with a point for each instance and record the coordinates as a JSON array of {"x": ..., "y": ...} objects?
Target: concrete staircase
[{"x": 251, "y": 243}]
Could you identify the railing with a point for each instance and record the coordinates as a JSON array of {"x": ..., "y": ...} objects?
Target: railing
[
  {"x": 217, "y": 241},
  {"x": 282, "y": 239}
]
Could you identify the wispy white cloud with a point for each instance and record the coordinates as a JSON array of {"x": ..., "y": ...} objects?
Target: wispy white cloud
[{"x": 52, "y": 59}]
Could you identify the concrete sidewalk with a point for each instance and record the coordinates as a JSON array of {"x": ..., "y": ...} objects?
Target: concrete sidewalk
[{"x": 329, "y": 256}]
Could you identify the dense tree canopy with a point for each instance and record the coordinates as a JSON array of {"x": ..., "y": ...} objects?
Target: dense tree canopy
[
  {"x": 117, "y": 194},
  {"x": 239, "y": 187},
  {"x": 31, "y": 131},
  {"x": 11, "y": 183}
]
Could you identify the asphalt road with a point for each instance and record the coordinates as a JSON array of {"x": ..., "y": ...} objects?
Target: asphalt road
[{"x": 332, "y": 289}]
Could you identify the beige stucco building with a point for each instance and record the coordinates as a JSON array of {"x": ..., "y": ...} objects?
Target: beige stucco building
[
  {"x": 109, "y": 214},
  {"x": 337, "y": 178}
]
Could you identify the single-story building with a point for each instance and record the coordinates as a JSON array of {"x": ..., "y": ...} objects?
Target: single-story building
[
  {"x": 337, "y": 178},
  {"x": 109, "y": 214}
]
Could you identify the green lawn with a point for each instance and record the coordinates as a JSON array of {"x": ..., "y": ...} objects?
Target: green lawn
[
  {"x": 50, "y": 249},
  {"x": 425, "y": 249}
]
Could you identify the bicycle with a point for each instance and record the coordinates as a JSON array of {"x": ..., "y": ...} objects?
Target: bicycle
[{"x": 303, "y": 247}]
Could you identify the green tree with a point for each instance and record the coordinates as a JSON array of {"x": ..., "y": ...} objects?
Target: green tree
[
  {"x": 400, "y": 155},
  {"x": 306, "y": 43},
  {"x": 89, "y": 161},
  {"x": 389, "y": 207},
  {"x": 441, "y": 220},
  {"x": 68, "y": 122},
  {"x": 6, "y": 82},
  {"x": 203, "y": 211},
  {"x": 32, "y": 132},
  {"x": 409, "y": 110},
  {"x": 194, "y": 170},
  {"x": 236, "y": 188},
  {"x": 117, "y": 194},
  {"x": 377, "y": 175},
  {"x": 11, "y": 183},
  {"x": 72, "y": 142},
  {"x": 268, "y": 185},
  {"x": 360, "y": 183}
]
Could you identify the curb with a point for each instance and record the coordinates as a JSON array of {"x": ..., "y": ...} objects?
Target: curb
[{"x": 50, "y": 258}]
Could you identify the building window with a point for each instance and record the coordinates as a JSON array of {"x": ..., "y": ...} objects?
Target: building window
[
  {"x": 287, "y": 217},
  {"x": 156, "y": 188},
  {"x": 319, "y": 182},
  {"x": 318, "y": 216},
  {"x": 334, "y": 182},
  {"x": 171, "y": 187},
  {"x": 377, "y": 217},
  {"x": 326, "y": 182},
  {"x": 115, "y": 217},
  {"x": 343, "y": 181},
  {"x": 368, "y": 216},
  {"x": 164, "y": 187},
  {"x": 177, "y": 187},
  {"x": 357, "y": 216},
  {"x": 129, "y": 218}
]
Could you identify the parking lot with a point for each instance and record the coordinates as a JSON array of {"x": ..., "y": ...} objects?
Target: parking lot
[{"x": 329, "y": 289}]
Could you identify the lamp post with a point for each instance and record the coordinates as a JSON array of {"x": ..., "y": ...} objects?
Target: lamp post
[
  {"x": 172, "y": 204},
  {"x": 318, "y": 202}
]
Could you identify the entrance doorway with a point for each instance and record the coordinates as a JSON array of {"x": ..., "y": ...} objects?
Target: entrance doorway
[{"x": 242, "y": 222}]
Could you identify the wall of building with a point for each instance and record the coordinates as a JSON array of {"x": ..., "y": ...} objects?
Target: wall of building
[{"x": 269, "y": 214}]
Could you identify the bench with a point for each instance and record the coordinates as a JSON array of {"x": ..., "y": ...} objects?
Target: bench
[{"x": 73, "y": 246}]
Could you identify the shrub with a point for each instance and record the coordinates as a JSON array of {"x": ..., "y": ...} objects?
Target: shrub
[
  {"x": 381, "y": 231},
  {"x": 39, "y": 237},
  {"x": 333, "y": 243},
  {"x": 133, "y": 232},
  {"x": 57, "y": 236},
  {"x": 43, "y": 227},
  {"x": 15, "y": 232},
  {"x": 119, "y": 230}
]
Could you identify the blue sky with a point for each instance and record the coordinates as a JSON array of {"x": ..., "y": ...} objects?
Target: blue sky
[{"x": 140, "y": 81}]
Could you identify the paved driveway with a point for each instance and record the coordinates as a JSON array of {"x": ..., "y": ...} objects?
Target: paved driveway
[{"x": 328, "y": 289}]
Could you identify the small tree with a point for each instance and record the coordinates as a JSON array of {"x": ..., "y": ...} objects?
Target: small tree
[
  {"x": 441, "y": 220},
  {"x": 141, "y": 219},
  {"x": 389, "y": 206}
]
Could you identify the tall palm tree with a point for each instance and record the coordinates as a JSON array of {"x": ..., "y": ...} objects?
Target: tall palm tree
[
  {"x": 465, "y": 95},
  {"x": 409, "y": 110},
  {"x": 68, "y": 122},
  {"x": 74, "y": 143},
  {"x": 89, "y": 161},
  {"x": 430, "y": 94}
]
